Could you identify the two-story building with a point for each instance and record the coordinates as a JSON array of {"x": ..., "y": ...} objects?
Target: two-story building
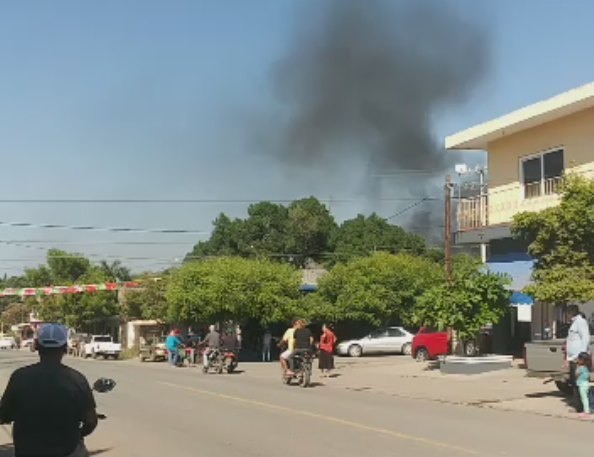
[{"x": 528, "y": 152}]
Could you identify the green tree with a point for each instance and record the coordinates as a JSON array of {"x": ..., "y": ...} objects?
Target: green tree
[
  {"x": 266, "y": 228},
  {"x": 227, "y": 238},
  {"x": 475, "y": 297},
  {"x": 232, "y": 288},
  {"x": 147, "y": 303},
  {"x": 67, "y": 268},
  {"x": 562, "y": 242},
  {"x": 376, "y": 288},
  {"x": 309, "y": 229},
  {"x": 362, "y": 236},
  {"x": 75, "y": 310},
  {"x": 16, "y": 313},
  {"x": 115, "y": 271}
]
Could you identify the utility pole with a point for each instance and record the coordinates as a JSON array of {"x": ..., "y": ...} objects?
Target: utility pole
[
  {"x": 448, "y": 228},
  {"x": 453, "y": 337}
]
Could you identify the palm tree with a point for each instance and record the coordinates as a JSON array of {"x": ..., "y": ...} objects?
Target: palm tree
[{"x": 115, "y": 272}]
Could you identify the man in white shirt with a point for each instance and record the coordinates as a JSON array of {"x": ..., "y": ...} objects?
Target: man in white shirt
[{"x": 578, "y": 341}]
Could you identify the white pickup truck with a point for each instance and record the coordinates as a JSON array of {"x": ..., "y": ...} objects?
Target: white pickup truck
[{"x": 103, "y": 346}]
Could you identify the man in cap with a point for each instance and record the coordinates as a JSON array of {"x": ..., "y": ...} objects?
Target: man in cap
[{"x": 47, "y": 402}]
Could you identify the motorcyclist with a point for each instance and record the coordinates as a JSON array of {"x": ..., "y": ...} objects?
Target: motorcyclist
[
  {"x": 47, "y": 402},
  {"x": 212, "y": 341},
  {"x": 231, "y": 342},
  {"x": 303, "y": 342},
  {"x": 286, "y": 344}
]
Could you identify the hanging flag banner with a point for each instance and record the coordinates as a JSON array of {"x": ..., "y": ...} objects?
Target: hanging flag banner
[{"x": 53, "y": 290}]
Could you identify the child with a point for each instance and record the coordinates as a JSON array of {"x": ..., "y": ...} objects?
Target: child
[{"x": 582, "y": 375}]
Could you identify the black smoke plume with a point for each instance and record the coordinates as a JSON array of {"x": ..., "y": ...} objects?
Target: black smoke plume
[{"x": 365, "y": 79}]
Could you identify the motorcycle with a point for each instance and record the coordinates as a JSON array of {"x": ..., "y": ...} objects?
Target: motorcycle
[
  {"x": 216, "y": 360},
  {"x": 230, "y": 361},
  {"x": 303, "y": 368}
]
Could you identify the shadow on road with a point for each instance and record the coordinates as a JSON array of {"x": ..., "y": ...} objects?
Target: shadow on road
[
  {"x": 7, "y": 450},
  {"x": 552, "y": 394},
  {"x": 95, "y": 452}
]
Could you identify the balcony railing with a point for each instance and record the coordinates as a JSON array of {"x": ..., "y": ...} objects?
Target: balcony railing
[
  {"x": 473, "y": 212},
  {"x": 500, "y": 205},
  {"x": 545, "y": 187}
]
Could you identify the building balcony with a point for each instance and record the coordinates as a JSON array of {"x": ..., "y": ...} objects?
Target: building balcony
[{"x": 499, "y": 205}]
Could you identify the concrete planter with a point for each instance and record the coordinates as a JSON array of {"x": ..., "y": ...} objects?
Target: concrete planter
[{"x": 474, "y": 365}]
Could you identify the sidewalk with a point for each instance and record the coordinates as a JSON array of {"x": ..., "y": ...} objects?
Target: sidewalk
[
  {"x": 506, "y": 389},
  {"x": 402, "y": 377}
]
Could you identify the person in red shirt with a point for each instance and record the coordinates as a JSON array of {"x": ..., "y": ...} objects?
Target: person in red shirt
[{"x": 327, "y": 342}]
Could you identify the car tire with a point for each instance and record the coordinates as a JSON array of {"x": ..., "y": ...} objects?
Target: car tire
[
  {"x": 422, "y": 355},
  {"x": 470, "y": 348},
  {"x": 407, "y": 349},
  {"x": 355, "y": 350}
]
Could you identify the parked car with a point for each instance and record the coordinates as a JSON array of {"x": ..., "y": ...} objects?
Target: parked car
[
  {"x": 7, "y": 342},
  {"x": 428, "y": 344},
  {"x": 102, "y": 346},
  {"x": 391, "y": 340},
  {"x": 153, "y": 351}
]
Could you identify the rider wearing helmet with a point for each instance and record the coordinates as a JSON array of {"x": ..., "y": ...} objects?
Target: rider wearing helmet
[{"x": 47, "y": 402}]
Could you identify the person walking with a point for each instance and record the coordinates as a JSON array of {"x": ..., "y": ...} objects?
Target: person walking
[
  {"x": 266, "y": 342},
  {"x": 578, "y": 341},
  {"x": 327, "y": 343}
]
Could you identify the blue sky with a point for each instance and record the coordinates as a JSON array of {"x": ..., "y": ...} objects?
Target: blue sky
[{"x": 149, "y": 99}]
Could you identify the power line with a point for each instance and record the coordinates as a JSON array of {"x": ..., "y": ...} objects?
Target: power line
[
  {"x": 198, "y": 201},
  {"x": 102, "y": 229},
  {"x": 407, "y": 209},
  {"x": 102, "y": 242}
]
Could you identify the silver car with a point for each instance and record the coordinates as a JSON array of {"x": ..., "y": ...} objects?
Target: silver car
[{"x": 391, "y": 340}]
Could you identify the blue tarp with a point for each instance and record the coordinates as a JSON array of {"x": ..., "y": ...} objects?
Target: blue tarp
[
  {"x": 309, "y": 288},
  {"x": 519, "y": 298}
]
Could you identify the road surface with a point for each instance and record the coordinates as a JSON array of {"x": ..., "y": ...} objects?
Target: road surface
[{"x": 157, "y": 411}]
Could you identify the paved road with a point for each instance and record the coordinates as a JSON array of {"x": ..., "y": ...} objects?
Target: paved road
[{"x": 156, "y": 411}]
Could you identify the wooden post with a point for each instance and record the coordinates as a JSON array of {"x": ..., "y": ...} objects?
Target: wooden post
[{"x": 448, "y": 251}]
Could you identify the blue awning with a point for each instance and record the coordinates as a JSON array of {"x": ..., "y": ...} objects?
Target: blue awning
[
  {"x": 518, "y": 266},
  {"x": 519, "y": 299}
]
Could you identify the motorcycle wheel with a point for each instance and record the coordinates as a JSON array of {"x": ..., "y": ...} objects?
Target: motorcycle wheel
[
  {"x": 305, "y": 378},
  {"x": 204, "y": 370}
]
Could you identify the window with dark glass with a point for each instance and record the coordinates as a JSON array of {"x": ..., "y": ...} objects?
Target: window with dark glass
[{"x": 542, "y": 174}]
